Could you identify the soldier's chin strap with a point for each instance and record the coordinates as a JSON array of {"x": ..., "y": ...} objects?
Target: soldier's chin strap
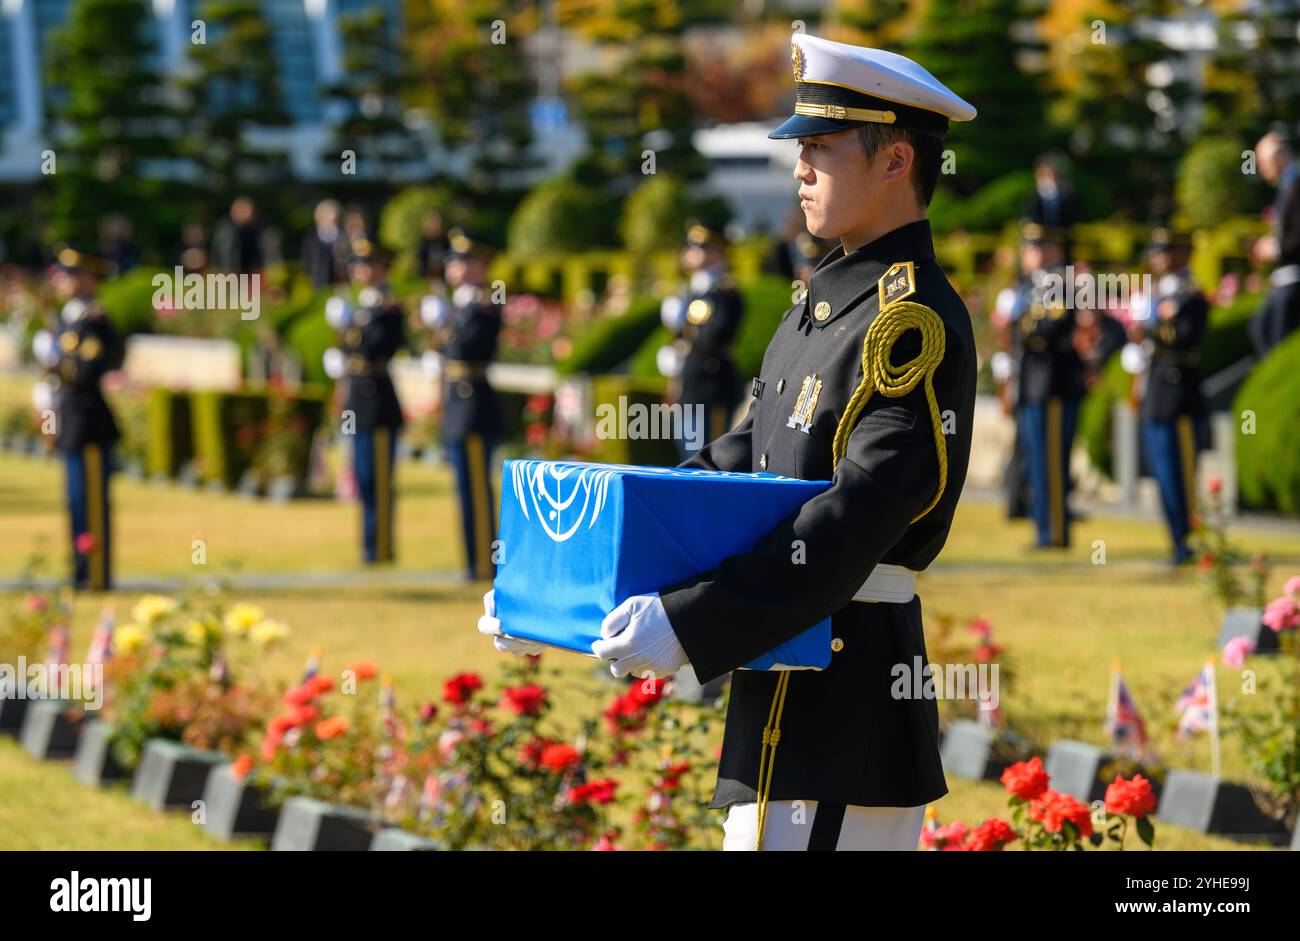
[{"x": 878, "y": 375}]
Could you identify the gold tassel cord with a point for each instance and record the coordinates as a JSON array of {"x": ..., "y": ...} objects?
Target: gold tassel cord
[{"x": 878, "y": 375}]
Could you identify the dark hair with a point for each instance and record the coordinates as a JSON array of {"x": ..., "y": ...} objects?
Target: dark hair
[{"x": 926, "y": 148}]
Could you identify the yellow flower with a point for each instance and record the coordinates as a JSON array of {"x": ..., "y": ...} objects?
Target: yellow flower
[
  {"x": 129, "y": 638},
  {"x": 199, "y": 629},
  {"x": 241, "y": 617},
  {"x": 268, "y": 632},
  {"x": 153, "y": 608}
]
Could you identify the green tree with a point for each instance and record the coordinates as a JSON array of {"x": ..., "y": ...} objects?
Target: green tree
[
  {"x": 972, "y": 46},
  {"x": 373, "y": 92},
  {"x": 640, "y": 102},
  {"x": 112, "y": 131},
  {"x": 235, "y": 90}
]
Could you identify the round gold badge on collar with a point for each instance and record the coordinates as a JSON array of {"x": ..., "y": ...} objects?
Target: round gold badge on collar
[{"x": 822, "y": 311}]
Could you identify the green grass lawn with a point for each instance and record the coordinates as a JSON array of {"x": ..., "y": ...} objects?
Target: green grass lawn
[{"x": 1061, "y": 619}]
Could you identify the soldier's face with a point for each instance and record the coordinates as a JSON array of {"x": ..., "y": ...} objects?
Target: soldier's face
[{"x": 839, "y": 191}]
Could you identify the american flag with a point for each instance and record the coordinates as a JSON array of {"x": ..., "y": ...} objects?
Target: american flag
[
  {"x": 1124, "y": 724},
  {"x": 313, "y": 664},
  {"x": 101, "y": 643},
  {"x": 1195, "y": 707}
]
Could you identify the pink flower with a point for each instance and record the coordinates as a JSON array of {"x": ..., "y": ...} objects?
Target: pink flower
[
  {"x": 948, "y": 838},
  {"x": 1282, "y": 613},
  {"x": 1214, "y": 485},
  {"x": 1237, "y": 650},
  {"x": 35, "y": 604},
  {"x": 1292, "y": 586},
  {"x": 84, "y": 543}
]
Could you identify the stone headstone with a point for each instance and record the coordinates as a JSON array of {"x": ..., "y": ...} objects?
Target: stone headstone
[
  {"x": 250, "y": 483},
  {"x": 49, "y": 731},
  {"x": 397, "y": 839},
  {"x": 309, "y": 824},
  {"x": 1075, "y": 769},
  {"x": 233, "y": 807},
  {"x": 968, "y": 751},
  {"x": 282, "y": 488},
  {"x": 1248, "y": 622},
  {"x": 687, "y": 688},
  {"x": 1208, "y": 804},
  {"x": 94, "y": 763},
  {"x": 12, "y": 712},
  {"x": 171, "y": 774}
]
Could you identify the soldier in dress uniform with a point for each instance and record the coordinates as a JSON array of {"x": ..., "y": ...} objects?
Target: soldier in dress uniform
[
  {"x": 1010, "y": 305},
  {"x": 704, "y": 318},
  {"x": 465, "y": 331},
  {"x": 1050, "y": 387},
  {"x": 76, "y": 360},
  {"x": 868, "y": 382},
  {"x": 1174, "y": 418},
  {"x": 370, "y": 332}
]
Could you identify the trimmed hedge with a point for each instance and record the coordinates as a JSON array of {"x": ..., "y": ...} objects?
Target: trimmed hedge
[
  {"x": 171, "y": 442},
  {"x": 608, "y": 342},
  {"x": 606, "y": 390},
  {"x": 229, "y": 431},
  {"x": 1268, "y": 461}
]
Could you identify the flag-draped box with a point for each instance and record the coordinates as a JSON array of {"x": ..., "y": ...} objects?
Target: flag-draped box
[{"x": 578, "y": 539}]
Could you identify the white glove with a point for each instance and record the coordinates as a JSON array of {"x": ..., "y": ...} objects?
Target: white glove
[
  {"x": 73, "y": 311},
  {"x": 334, "y": 362},
  {"x": 672, "y": 313},
  {"x": 44, "y": 348},
  {"x": 669, "y": 361},
  {"x": 431, "y": 363},
  {"x": 491, "y": 625},
  {"x": 435, "y": 311},
  {"x": 1134, "y": 358},
  {"x": 1002, "y": 366},
  {"x": 44, "y": 396},
  {"x": 638, "y": 638},
  {"x": 338, "y": 312}
]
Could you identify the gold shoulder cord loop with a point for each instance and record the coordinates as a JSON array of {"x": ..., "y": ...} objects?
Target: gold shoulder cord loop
[{"x": 878, "y": 375}]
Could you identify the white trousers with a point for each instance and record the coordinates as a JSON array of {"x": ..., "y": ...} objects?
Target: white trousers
[{"x": 790, "y": 823}]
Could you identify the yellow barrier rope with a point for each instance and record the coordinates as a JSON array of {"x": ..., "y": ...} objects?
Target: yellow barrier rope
[{"x": 878, "y": 375}]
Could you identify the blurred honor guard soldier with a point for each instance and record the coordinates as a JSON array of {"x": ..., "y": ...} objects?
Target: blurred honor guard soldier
[
  {"x": 705, "y": 319},
  {"x": 370, "y": 333},
  {"x": 1174, "y": 415},
  {"x": 869, "y": 382},
  {"x": 466, "y": 333},
  {"x": 77, "y": 359},
  {"x": 1050, "y": 389}
]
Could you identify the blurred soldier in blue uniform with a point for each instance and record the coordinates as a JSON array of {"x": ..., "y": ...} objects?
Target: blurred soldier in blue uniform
[
  {"x": 1050, "y": 387},
  {"x": 76, "y": 360},
  {"x": 1009, "y": 307},
  {"x": 705, "y": 318},
  {"x": 370, "y": 332},
  {"x": 1174, "y": 418},
  {"x": 465, "y": 330}
]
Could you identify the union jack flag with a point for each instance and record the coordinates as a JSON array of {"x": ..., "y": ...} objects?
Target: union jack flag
[
  {"x": 1124, "y": 724},
  {"x": 1195, "y": 707}
]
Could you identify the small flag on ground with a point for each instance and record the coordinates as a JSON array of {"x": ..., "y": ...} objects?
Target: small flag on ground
[{"x": 1124, "y": 724}]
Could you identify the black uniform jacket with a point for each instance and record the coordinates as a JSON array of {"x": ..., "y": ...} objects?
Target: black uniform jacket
[
  {"x": 87, "y": 350},
  {"x": 377, "y": 332},
  {"x": 844, "y": 738},
  {"x": 1174, "y": 378},
  {"x": 708, "y": 372},
  {"x": 1050, "y": 367},
  {"x": 469, "y": 404}
]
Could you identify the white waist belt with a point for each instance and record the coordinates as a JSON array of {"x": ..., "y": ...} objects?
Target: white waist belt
[{"x": 889, "y": 583}]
